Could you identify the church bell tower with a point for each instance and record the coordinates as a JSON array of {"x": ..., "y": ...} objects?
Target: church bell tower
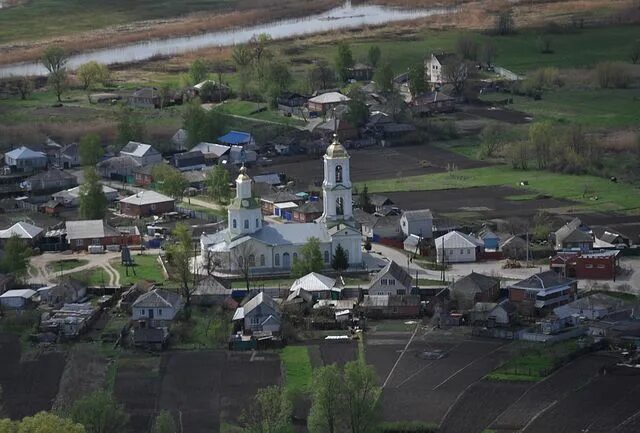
[{"x": 336, "y": 187}]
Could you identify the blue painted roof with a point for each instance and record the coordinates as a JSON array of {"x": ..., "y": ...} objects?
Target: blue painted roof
[{"x": 235, "y": 137}]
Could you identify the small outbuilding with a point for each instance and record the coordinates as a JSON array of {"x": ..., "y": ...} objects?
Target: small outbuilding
[{"x": 18, "y": 299}]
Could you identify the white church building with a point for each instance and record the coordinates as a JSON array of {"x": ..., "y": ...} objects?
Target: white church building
[{"x": 265, "y": 248}]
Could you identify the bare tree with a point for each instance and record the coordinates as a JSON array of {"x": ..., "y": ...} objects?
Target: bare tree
[
  {"x": 243, "y": 258},
  {"x": 24, "y": 86},
  {"x": 456, "y": 73},
  {"x": 211, "y": 261},
  {"x": 179, "y": 255}
]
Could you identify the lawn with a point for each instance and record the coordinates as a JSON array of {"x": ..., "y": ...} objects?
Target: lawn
[
  {"x": 593, "y": 107},
  {"x": 610, "y": 196},
  {"x": 256, "y": 111},
  {"x": 208, "y": 328},
  {"x": 297, "y": 367},
  {"x": 146, "y": 267},
  {"x": 66, "y": 265},
  {"x": 534, "y": 363}
]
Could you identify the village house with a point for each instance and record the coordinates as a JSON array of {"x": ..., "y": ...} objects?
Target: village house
[
  {"x": 416, "y": 245},
  {"x": 268, "y": 203},
  {"x": 238, "y": 138},
  {"x": 67, "y": 291},
  {"x": 360, "y": 72},
  {"x": 490, "y": 239},
  {"x": 211, "y": 291},
  {"x": 27, "y": 232},
  {"x": 147, "y": 97},
  {"x": 596, "y": 306},
  {"x": 18, "y": 299},
  {"x": 593, "y": 265},
  {"x": 291, "y": 103},
  {"x": 192, "y": 160},
  {"x": 71, "y": 197},
  {"x": 82, "y": 234},
  {"x": 542, "y": 292},
  {"x": 473, "y": 288},
  {"x": 218, "y": 91},
  {"x": 120, "y": 168},
  {"x": 458, "y": 247},
  {"x": 50, "y": 180},
  {"x": 145, "y": 154},
  {"x": 212, "y": 152},
  {"x": 344, "y": 129},
  {"x": 390, "y": 306},
  {"x": 573, "y": 236},
  {"x": 259, "y": 314},
  {"x": 179, "y": 140},
  {"x": 146, "y": 203},
  {"x": 429, "y": 103},
  {"x": 157, "y": 307},
  {"x": 437, "y": 68},
  {"x": 514, "y": 247},
  {"x": 325, "y": 102},
  {"x": 68, "y": 156},
  {"x": 417, "y": 222},
  {"x": 607, "y": 238},
  {"x": 319, "y": 286},
  {"x": 143, "y": 175},
  {"x": 380, "y": 202},
  {"x": 492, "y": 314},
  {"x": 391, "y": 280},
  {"x": 52, "y": 207},
  {"x": 383, "y": 229},
  {"x": 308, "y": 212},
  {"x": 25, "y": 160}
]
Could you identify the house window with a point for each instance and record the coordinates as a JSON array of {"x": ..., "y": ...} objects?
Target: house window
[
  {"x": 380, "y": 293},
  {"x": 401, "y": 292},
  {"x": 95, "y": 241},
  {"x": 339, "y": 206},
  {"x": 392, "y": 282},
  {"x": 79, "y": 242},
  {"x": 277, "y": 260},
  {"x": 153, "y": 207},
  {"x": 468, "y": 251},
  {"x": 235, "y": 224},
  {"x": 159, "y": 312},
  {"x": 252, "y": 260},
  {"x": 383, "y": 281},
  {"x": 255, "y": 320},
  {"x": 246, "y": 224},
  {"x": 326, "y": 256},
  {"x": 142, "y": 312},
  {"x": 257, "y": 222},
  {"x": 338, "y": 173},
  {"x": 240, "y": 262},
  {"x": 461, "y": 251}
]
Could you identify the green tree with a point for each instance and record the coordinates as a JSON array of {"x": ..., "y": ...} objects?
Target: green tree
[
  {"x": 417, "y": 82},
  {"x": 364, "y": 200},
  {"x": 169, "y": 180},
  {"x": 54, "y": 59},
  {"x": 130, "y": 126},
  {"x": 201, "y": 125},
  {"x": 327, "y": 412},
  {"x": 198, "y": 71},
  {"x": 269, "y": 412},
  {"x": 179, "y": 255},
  {"x": 374, "y": 55},
  {"x": 321, "y": 75},
  {"x": 358, "y": 113},
  {"x": 164, "y": 423},
  {"x": 310, "y": 259},
  {"x": 90, "y": 74},
  {"x": 42, "y": 422},
  {"x": 99, "y": 412},
  {"x": 217, "y": 183},
  {"x": 361, "y": 396},
  {"x": 541, "y": 137},
  {"x": 243, "y": 57},
  {"x": 93, "y": 202},
  {"x": 165, "y": 92},
  {"x": 340, "y": 261},
  {"x": 90, "y": 149},
  {"x": 384, "y": 77},
  {"x": 277, "y": 79},
  {"x": 344, "y": 61},
  {"x": 493, "y": 138},
  {"x": 16, "y": 256}
]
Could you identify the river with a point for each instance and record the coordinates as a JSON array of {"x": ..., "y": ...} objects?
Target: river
[{"x": 346, "y": 16}]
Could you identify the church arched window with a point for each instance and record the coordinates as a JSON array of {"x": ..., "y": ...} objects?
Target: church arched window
[
  {"x": 257, "y": 222},
  {"x": 246, "y": 224},
  {"x": 326, "y": 256},
  {"x": 339, "y": 206},
  {"x": 240, "y": 262},
  {"x": 338, "y": 173},
  {"x": 252, "y": 260},
  {"x": 235, "y": 224},
  {"x": 262, "y": 261},
  {"x": 276, "y": 260}
]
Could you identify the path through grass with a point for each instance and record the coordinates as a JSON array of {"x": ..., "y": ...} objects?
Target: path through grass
[{"x": 297, "y": 366}]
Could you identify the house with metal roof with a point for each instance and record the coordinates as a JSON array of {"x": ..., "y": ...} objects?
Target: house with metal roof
[
  {"x": 417, "y": 222},
  {"x": 320, "y": 286},
  {"x": 237, "y": 138},
  {"x": 390, "y": 306},
  {"x": 192, "y": 160},
  {"x": 393, "y": 279},
  {"x": 84, "y": 233},
  {"x": 211, "y": 290},
  {"x": 156, "y": 307},
  {"x": 146, "y": 203},
  {"x": 145, "y": 154},
  {"x": 50, "y": 180},
  {"x": 24, "y": 159},
  {"x": 71, "y": 197},
  {"x": 457, "y": 247},
  {"x": 473, "y": 288},
  {"x": 324, "y": 102},
  {"x": 18, "y": 299},
  {"x": 212, "y": 152},
  {"x": 541, "y": 292},
  {"x": 259, "y": 314},
  {"x": 25, "y": 231},
  {"x": 121, "y": 168}
]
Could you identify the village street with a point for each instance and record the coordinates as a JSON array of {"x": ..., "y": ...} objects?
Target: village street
[{"x": 41, "y": 271}]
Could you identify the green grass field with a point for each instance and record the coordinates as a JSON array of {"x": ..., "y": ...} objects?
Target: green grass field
[
  {"x": 297, "y": 367},
  {"x": 146, "y": 268},
  {"x": 44, "y": 18},
  {"x": 610, "y": 196},
  {"x": 208, "y": 328},
  {"x": 249, "y": 109}
]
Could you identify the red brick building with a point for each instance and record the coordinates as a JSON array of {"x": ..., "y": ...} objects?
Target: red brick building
[
  {"x": 268, "y": 202},
  {"x": 600, "y": 265},
  {"x": 82, "y": 234},
  {"x": 308, "y": 212},
  {"x": 542, "y": 292},
  {"x": 146, "y": 203}
]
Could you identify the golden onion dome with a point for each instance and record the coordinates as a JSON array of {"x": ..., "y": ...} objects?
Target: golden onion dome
[{"x": 336, "y": 150}]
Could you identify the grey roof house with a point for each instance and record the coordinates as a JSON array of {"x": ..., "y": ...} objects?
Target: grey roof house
[
  {"x": 24, "y": 159},
  {"x": 391, "y": 280},
  {"x": 473, "y": 288},
  {"x": 50, "y": 180},
  {"x": 259, "y": 314},
  {"x": 145, "y": 154},
  {"x": 157, "y": 306},
  {"x": 417, "y": 222}
]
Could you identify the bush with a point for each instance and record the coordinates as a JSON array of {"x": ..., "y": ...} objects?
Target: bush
[{"x": 613, "y": 75}]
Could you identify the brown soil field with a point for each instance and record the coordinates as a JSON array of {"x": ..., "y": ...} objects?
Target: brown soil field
[
  {"x": 29, "y": 386},
  {"x": 201, "y": 388},
  {"x": 338, "y": 352},
  {"x": 365, "y": 164},
  {"x": 490, "y": 202}
]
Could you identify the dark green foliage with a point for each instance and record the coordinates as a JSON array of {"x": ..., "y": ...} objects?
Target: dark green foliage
[
  {"x": 339, "y": 261},
  {"x": 93, "y": 202},
  {"x": 90, "y": 149},
  {"x": 310, "y": 259},
  {"x": 344, "y": 61},
  {"x": 99, "y": 412}
]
